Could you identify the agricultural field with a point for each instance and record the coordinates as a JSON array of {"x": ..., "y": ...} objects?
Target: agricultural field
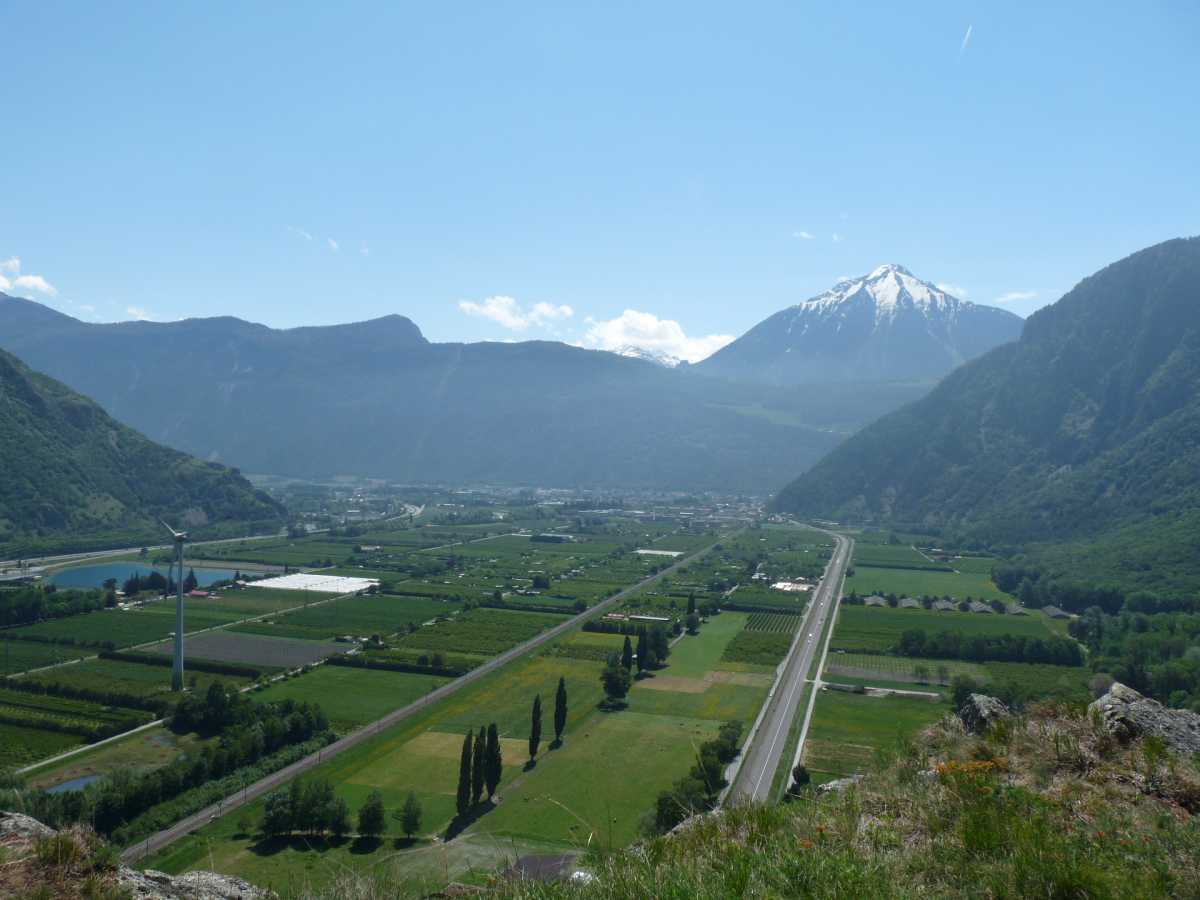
[
  {"x": 352, "y": 697},
  {"x": 33, "y": 726},
  {"x": 848, "y": 731},
  {"x": 371, "y": 614},
  {"x": 20, "y": 656},
  {"x": 486, "y": 632},
  {"x": 961, "y": 585},
  {"x": 871, "y": 629},
  {"x": 871, "y": 667},
  {"x": 764, "y": 641},
  {"x": 894, "y": 556},
  {"x": 252, "y": 649},
  {"x": 124, "y": 677}
]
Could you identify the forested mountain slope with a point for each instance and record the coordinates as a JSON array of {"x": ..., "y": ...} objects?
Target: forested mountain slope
[
  {"x": 1086, "y": 430},
  {"x": 70, "y": 472}
]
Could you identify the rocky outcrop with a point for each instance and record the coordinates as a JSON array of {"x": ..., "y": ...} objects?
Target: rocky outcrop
[
  {"x": 838, "y": 785},
  {"x": 75, "y": 869},
  {"x": 151, "y": 885},
  {"x": 1126, "y": 714},
  {"x": 979, "y": 712}
]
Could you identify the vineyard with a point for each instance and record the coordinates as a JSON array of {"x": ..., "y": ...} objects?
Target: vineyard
[{"x": 773, "y": 622}]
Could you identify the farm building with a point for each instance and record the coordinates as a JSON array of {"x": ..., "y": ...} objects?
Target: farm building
[
  {"x": 1055, "y": 613},
  {"x": 1016, "y": 609},
  {"x": 976, "y": 607},
  {"x": 552, "y": 539},
  {"x": 874, "y": 600},
  {"x": 909, "y": 603},
  {"x": 943, "y": 605}
]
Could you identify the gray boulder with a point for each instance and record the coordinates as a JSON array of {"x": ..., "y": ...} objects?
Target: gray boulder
[
  {"x": 838, "y": 785},
  {"x": 1126, "y": 714},
  {"x": 152, "y": 885},
  {"x": 979, "y": 712}
]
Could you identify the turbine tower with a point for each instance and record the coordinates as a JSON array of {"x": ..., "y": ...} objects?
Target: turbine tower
[{"x": 177, "y": 668}]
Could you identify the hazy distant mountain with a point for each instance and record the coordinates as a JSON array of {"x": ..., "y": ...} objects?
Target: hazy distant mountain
[
  {"x": 71, "y": 472},
  {"x": 377, "y": 399},
  {"x": 1086, "y": 429},
  {"x": 885, "y": 326}
]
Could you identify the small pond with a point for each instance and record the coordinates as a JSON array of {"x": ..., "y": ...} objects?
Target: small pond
[{"x": 75, "y": 784}]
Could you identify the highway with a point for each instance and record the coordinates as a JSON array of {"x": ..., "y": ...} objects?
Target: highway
[
  {"x": 768, "y": 742},
  {"x": 161, "y": 839}
]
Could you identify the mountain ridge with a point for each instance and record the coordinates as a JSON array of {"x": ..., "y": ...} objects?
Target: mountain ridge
[{"x": 382, "y": 401}]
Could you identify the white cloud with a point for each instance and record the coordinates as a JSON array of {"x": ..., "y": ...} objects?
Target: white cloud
[
  {"x": 364, "y": 249},
  {"x": 508, "y": 313},
  {"x": 634, "y": 328},
  {"x": 26, "y": 283},
  {"x": 35, "y": 283},
  {"x": 802, "y": 235},
  {"x": 1016, "y": 296},
  {"x": 837, "y": 238},
  {"x": 299, "y": 232},
  {"x": 139, "y": 314},
  {"x": 956, "y": 290},
  {"x": 333, "y": 245},
  {"x": 966, "y": 41}
]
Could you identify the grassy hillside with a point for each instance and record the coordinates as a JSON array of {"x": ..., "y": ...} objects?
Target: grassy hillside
[
  {"x": 74, "y": 477},
  {"x": 1084, "y": 432},
  {"x": 1046, "y": 806}
]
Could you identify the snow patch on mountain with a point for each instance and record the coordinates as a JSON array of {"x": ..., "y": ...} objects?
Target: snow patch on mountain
[{"x": 660, "y": 357}]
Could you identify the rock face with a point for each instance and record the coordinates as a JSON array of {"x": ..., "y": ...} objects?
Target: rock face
[
  {"x": 979, "y": 712},
  {"x": 1126, "y": 714},
  {"x": 19, "y": 834}
]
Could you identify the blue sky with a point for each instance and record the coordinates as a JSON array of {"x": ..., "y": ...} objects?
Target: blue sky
[{"x": 523, "y": 170}]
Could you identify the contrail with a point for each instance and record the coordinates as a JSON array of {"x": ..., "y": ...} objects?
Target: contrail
[{"x": 965, "y": 41}]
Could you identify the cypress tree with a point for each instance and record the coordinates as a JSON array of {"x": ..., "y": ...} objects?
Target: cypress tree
[
  {"x": 463, "y": 798},
  {"x": 478, "y": 766},
  {"x": 627, "y": 654},
  {"x": 643, "y": 650},
  {"x": 494, "y": 767},
  {"x": 560, "y": 710},
  {"x": 535, "y": 727},
  {"x": 691, "y": 607}
]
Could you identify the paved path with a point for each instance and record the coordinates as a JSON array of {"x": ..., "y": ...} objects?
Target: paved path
[
  {"x": 768, "y": 743},
  {"x": 163, "y": 838}
]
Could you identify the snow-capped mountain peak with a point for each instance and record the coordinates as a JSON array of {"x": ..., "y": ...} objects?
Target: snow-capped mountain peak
[
  {"x": 887, "y": 287},
  {"x": 655, "y": 356},
  {"x": 888, "y": 325}
]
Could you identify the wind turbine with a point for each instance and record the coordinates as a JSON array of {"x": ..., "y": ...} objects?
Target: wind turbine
[{"x": 177, "y": 668}]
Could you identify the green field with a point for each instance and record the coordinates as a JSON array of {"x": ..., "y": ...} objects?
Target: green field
[
  {"x": 125, "y": 677},
  {"x": 141, "y": 752},
  {"x": 482, "y": 631},
  {"x": 351, "y": 696},
  {"x": 898, "y": 668},
  {"x": 848, "y": 730},
  {"x": 872, "y": 629},
  {"x": 919, "y": 583},
  {"x": 379, "y": 614},
  {"x": 20, "y": 656}
]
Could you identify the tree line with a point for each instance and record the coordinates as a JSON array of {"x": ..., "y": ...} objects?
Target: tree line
[
  {"x": 1053, "y": 650},
  {"x": 697, "y": 791}
]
